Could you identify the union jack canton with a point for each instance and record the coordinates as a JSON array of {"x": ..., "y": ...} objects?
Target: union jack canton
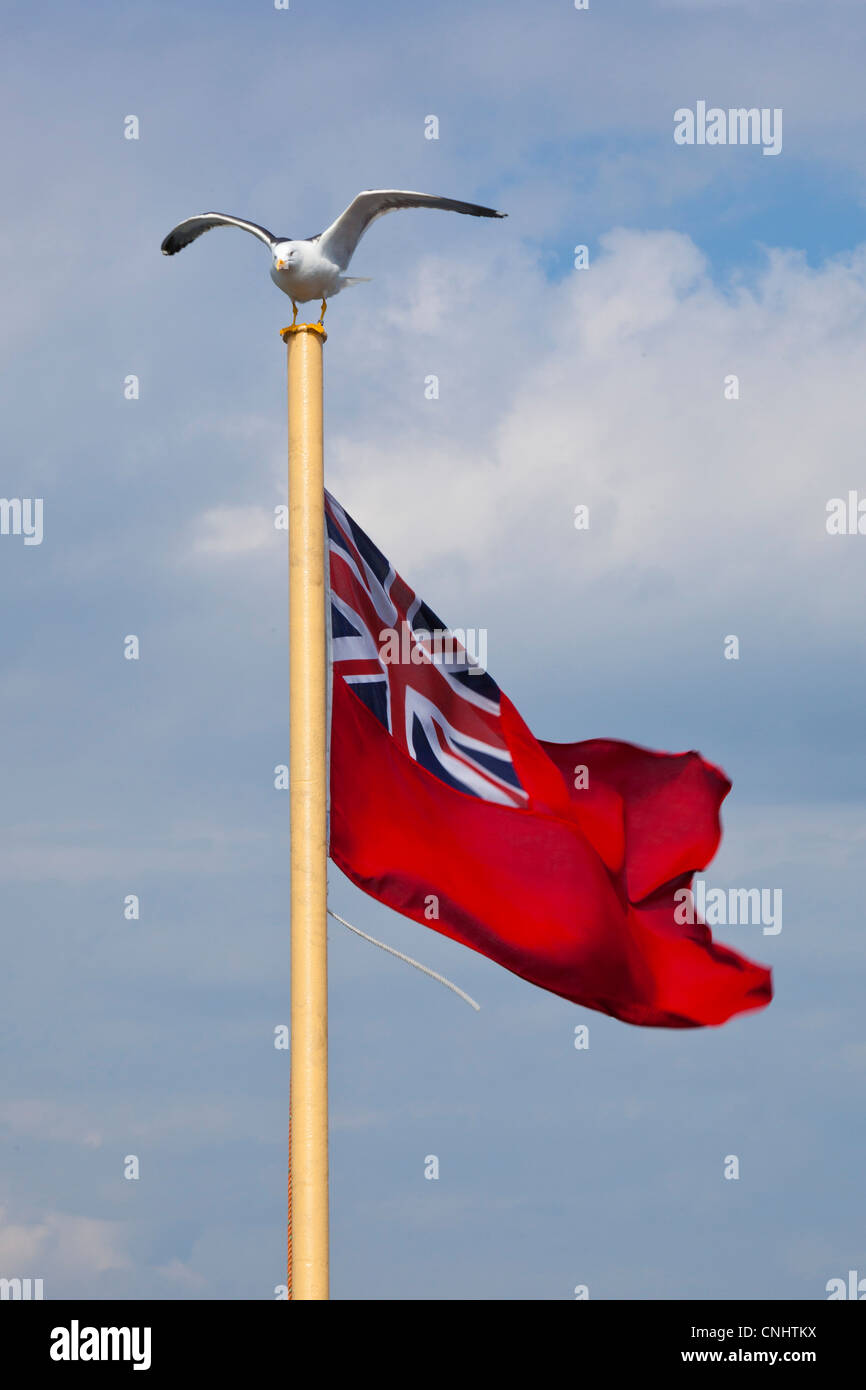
[{"x": 411, "y": 672}]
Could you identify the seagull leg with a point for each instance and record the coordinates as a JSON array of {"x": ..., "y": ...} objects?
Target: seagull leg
[
  {"x": 294, "y": 322},
  {"x": 322, "y": 313}
]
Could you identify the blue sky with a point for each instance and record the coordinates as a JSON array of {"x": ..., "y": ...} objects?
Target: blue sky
[{"x": 557, "y": 387}]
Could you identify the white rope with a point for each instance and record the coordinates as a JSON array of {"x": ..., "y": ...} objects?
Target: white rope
[{"x": 408, "y": 959}]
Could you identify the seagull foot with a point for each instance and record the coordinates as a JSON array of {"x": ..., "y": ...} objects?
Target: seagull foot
[
  {"x": 322, "y": 313},
  {"x": 286, "y": 333}
]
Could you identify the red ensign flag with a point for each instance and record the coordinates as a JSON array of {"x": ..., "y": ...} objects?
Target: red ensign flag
[{"x": 558, "y": 861}]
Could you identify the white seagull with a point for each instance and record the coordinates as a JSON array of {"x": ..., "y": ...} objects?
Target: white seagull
[{"x": 311, "y": 268}]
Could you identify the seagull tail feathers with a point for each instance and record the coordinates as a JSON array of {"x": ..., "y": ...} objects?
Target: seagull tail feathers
[{"x": 354, "y": 280}]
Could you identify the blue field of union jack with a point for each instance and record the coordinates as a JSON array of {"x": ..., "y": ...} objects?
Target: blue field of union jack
[{"x": 411, "y": 672}]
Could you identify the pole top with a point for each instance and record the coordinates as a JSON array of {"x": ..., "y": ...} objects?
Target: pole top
[{"x": 303, "y": 328}]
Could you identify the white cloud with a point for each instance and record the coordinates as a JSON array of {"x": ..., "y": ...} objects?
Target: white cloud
[
  {"x": 29, "y": 859},
  {"x": 181, "y": 1275},
  {"x": 52, "y": 1120},
  {"x": 829, "y": 837},
  {"x": 610, "y": 392},
  {"x": 60, "y": 1244},
  {"x": 230, "y": 531}
]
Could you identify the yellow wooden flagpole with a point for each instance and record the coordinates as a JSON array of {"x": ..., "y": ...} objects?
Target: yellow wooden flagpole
[{"x": 308, "y": 1178}]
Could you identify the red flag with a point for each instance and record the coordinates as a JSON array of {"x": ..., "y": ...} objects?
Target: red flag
[{"x": 558, "y": 861}]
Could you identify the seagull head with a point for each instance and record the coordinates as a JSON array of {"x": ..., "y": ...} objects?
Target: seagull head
[{"x": 286, "y": 255}]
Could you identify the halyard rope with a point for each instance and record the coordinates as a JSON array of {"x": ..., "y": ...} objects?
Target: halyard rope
[
  {"x": 425, "y": 970},
  {"x": 434, "y": 975}
]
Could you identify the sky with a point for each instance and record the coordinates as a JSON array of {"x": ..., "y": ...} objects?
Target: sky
[{"x": 559, "y": 1168}]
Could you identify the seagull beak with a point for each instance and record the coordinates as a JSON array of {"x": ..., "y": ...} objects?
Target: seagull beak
[{"x": 281, "y": 265}]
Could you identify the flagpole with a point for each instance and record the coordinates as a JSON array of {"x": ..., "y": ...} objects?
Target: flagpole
[{"x": 308, "y": 1177}]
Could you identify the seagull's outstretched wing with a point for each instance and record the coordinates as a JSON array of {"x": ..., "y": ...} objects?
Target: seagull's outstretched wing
[
  {"x": 338, "y": 242},
  {"x": 185, "y": 232}
]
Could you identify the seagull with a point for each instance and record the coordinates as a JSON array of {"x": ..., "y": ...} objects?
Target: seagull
[{"x": 310, "y": 268}]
